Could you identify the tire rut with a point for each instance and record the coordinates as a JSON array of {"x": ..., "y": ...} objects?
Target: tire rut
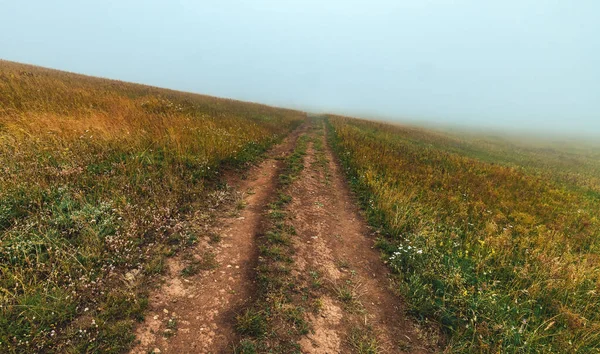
[
  {"x": 359, "y": 310},
  {"x": 196, "y": 314}
]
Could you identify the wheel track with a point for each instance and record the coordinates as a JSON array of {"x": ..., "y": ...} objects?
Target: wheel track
[{"x": 204, "y": 306}]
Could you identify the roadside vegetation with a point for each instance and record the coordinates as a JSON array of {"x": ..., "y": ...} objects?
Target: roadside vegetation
[
  {"x": 100, "y": 180},
  {"x": 497, "y": 241}
]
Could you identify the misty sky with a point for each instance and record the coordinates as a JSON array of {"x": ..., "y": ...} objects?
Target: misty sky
[{"x": 513, "y": 63}]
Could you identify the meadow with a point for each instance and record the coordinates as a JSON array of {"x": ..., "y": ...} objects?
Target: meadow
[
  {"x": 100, "y": 181},
  {"x": 496, "y": 240}
]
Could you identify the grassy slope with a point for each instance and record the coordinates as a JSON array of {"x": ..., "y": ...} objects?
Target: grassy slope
[
  {"x": 497, "y": 241},
  {"x": 100, "y": 180}
]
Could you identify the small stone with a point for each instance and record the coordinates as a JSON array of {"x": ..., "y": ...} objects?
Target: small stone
[
  {"x": 156, "y": 317},
  {"x": 166, "y": 311},
  {"x": 156, "y": 350}
]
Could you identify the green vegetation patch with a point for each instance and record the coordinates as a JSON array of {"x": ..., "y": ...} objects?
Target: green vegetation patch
[
  {"x": 506, "y": 259},
  {"x": 100, "y": 181}
]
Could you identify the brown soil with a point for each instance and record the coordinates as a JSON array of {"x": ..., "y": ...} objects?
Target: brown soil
[{"x": 196, "y": 314}]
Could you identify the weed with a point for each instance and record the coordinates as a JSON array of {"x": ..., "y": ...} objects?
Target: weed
[
  {"x": 363, "y": 340},
  {"x": 252, "y": 323},
  {"x": 317, "y": 305},
  {"x": 208, "y": 261},
  {"x": 171, "y": 327},
  {"x": 315, "y": 277},
  {"x": 343, "y": 264},
  {"x": 214, "y": 238},
  {"x": 345, "y": 293},
  {"x": 295, "y": 316},
  {"x": 276, "y": 215},
  {"x": 246, "y": 346},
  {"x": 277, "y": 237},
  {"x": 241, "y": 204}
]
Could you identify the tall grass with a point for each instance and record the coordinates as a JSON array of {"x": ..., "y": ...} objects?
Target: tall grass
[
  {"x": 99, "y": 181},
  {"x": 505, "y": 255}
]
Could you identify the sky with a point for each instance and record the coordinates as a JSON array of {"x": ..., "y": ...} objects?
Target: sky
[{"x": 530, "y": 65}]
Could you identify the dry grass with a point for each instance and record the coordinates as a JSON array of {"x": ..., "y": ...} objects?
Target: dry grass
[
  {"x": 503, "y": 252},
  {"x": 99, "y": 181}
]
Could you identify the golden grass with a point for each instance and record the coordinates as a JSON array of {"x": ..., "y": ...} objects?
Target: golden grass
[
  {"x": 503, "y": 253},
  {"x": 99, "y": 179}
]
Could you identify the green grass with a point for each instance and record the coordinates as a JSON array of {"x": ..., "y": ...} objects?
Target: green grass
[
  {"x": 503, "y": 254},
  {"x": 363, "y": 340},
  {"x": 100, "y": 181}
]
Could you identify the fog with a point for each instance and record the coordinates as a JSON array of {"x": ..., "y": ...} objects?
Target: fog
[{"x": 516, "y": 65}]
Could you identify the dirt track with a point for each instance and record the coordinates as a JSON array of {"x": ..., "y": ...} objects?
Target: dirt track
[
  {"x": 334, "y": 241},
  {"x": 203, "y": 307},
  {"x": 196, "y": 314}
]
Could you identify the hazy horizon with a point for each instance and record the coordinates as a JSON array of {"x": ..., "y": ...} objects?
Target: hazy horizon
[{"x": 513, "y": 65}]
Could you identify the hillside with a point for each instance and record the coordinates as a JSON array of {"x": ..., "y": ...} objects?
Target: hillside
[
  {"x": 100, "y": 182},
  {"x": 138, "y": 219},
  {"x": 497, "y": 241}
]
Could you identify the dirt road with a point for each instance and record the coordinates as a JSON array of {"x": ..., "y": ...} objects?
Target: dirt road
[{"x": 332, "y": 265}]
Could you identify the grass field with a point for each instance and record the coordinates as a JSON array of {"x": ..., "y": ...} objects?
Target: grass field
[
  {"x": 101, "y": 180},
  {"x": 498, "y": 241}
]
